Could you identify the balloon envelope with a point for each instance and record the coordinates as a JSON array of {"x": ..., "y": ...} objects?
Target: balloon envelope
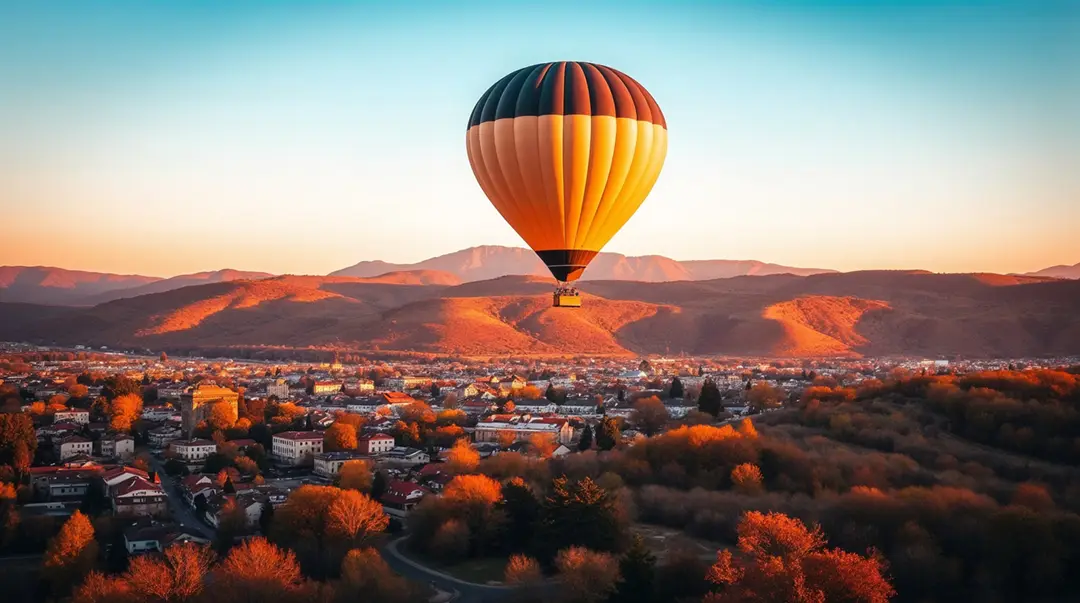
[{"x": 566, "y": 152}]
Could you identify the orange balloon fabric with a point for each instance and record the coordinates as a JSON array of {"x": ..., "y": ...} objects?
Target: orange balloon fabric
[{"x": 567, "y": 152}]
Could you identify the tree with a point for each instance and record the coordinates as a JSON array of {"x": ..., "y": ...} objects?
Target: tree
[
  {"x": 354, "y": 517},
  {"x": 522, "y": 510},
  {"x": 163, "y": 357},
  {"x": 608, "y": 435},
  {"x": 71, "y": 554},
  {"x": 99, "y": 588},
  {"x": 340, "y": 437},
  {"x": 637, "y": 573},
  {"x": 676, "y": 389},
  {"x": 232, "y": 523},
  {"x": 649, "y": 415},
  {"x": 18, "y": 440},
  {"x": 522, "y": 570},
  {"x": 355, "y": 475},
  {"x": 781, "y": 560},
  {"x": 710, "y": 400},
  {"x": 542, "y": 444},
  {"x": 505, "y": 438},
  {"x": 78, "y": 391},
  {"x": 580, "y": 514},
  {"x": 551, "y": 394},
  {"x": 177, "y": 575},
  {"x": 764, "y": 396},
  {"x": 222, "y": 415},
  {"x": 462, "y": 458},
  {"x": 124, "y": 411},
  {"x": 365, "y": 576},
  {"x": 378, "y": 485},
  {"x": 256, "y": 571},
  {"x": 746, "y": 478},
  {"x": 586, "y": 440},
  {"x": 587, "y": 576}
]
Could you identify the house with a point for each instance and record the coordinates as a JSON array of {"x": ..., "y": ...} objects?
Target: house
[
  {"x": 154, "y": 537},
  {"x": 364, "y": 405},
  {"x": 139, "y": 497},
  {"x": 117, "y": 445},
  {"x": 375, "y": 444},
  {"x": 476, "y": 407},
  {"x": 405, "y": 457},
  {"x": 279, "y": 388},
  {"x": 68, "y": 485},
  {"x": 401, "y": 497},
  {"x": 161, "y": 436},
  {"x": 536, "y": 407},
  {"x": 401, "y": 384},
  {"x": 158, "y": 413},
  {"x": 193, "y": 451},
  {"x": 328, "y": 464},
  {"x": 72, "y": 446},
  {"x": 80, "y": 417},
  {"x": 325, "y": 388},
  {"x": 355, "y": 387},
  {"x": 522, "y": 427},
  {"x": 295, "y": 447},
  {"x": 193, "y": 487}
]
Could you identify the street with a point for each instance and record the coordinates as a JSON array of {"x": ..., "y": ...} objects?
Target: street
[
  {"x": 181, "y": 512},
  {"x": 468, "y": 592}
]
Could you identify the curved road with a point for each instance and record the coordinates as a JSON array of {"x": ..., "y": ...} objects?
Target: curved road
[{"x": 467, "y": 592}]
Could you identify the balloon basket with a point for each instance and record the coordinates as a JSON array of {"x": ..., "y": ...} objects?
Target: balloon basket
[{"x": 566, "y": 297}]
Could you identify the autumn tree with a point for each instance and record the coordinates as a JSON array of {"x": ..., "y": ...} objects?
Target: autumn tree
[
  {"x": 256, "y": 571},
  {"x": 124, "y": 411},
  {"x": 542, "y": 444},
  {"x": 71, "y": 554},
  {"x": 340, "y": 437},
  {"x": 781, "y": 560},
  {"x": 522, "y": 570},
  {"x": 587, "y": 576},
  {"x": 585, "y": 442},
  {"x": 649, "y": 415},
  {"x": 505, "y": 438},
  {"x": 608, "y": 434},
  {"x": 763, "y": 396},
  {"x": 462, "y": 458},
  {"x": 177, "y": 575},
  {"x": 746, "y": 478},
  {"x": 365, "y": 576},
  {"x": 18, "y": 440},
  {"x": 676, "y": 390},
  {"x": 100, "y": 588},
  {"x": 355, "y": 475},
  {"x": 222, "y": 416},
  {"x": 354, "y": 517}
]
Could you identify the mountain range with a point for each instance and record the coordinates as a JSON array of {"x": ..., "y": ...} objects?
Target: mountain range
[
  {"x": 786, "y": 315},
  {"x": 1059, "y": 272}
]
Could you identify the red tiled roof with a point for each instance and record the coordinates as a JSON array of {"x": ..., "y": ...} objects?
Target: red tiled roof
[
  {"x": 137, "y": 484},
  {"x": 299, "y": 435},
  {"x": 397, "y": 397}
]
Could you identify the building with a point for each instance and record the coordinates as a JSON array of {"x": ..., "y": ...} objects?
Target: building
[
  {"x": 400, "y": 498},
  {"x": 138, "y": 498},
  {"x": 403, "y": 383},
  {"x": 279, "y": 388},
  {"x": 81, "y": 417},
  {"x": 375, "y": 444},
  {"x": 523, "y": 426},
  {"x": 158, "y": 413},
  {"x": 355, "y": 387},
  {"x": 325, "y": 388},
  {"x": 405, "y": 457},
  {"x": 161, "y": 436},
  {"x": 117, "y": 445},
  {"x": 193, "y": 451},
  {"x": 196, "y": 402},
  {"x": 328, "y": 464},
  {"x": 72, "y": 446},
  {"x": 295, "y": 447}
]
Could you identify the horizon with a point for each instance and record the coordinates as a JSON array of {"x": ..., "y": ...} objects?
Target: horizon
[
  {"x": 166, "y": 139},
  {"x": 406, "y": 267}
]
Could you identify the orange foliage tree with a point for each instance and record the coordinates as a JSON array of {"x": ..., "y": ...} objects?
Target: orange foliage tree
[
  {"x": 340, "y": 437},
  {"x": 177, "y": 575},
  {"x": 587, "y": 576},
  {"x": 355, "y": 475},
  {"x": 542, "y": 444},
  {"x": 649, "y": 415},
  {"x": 256, "y": 572},
  {"x": 747, "y": 478},
  {"x": 353, "y": 517},
  {"x": 522, "y": 570},
  {"x": 124, "y": 411},
  {"x": 462, "y": 458},
  {"x": 71, "y": 554},
  {"x": 781, "y": 560},
  {"x": 366, "y": 577}
]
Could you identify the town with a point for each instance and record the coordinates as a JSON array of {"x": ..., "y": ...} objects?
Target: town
[{"x": 204, "y": 450}]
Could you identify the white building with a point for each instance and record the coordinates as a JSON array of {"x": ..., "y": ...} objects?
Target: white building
[
  {"x": 117, "y": 445},
  {"x": 523, "y": 426},
  {"x": 82, "y": 417},
  {"x": 375, "y": 444},
  {"x": 191, "y": 451},
  {"x": 293, "y": 447},
  {"x": 279, "y": 388},
  {"x": 403, "y": 383},
  {"x": 325, "y": 388},
  {"x": 161, "y": 436},
  {"x": 72, "y": 446},
  {"x": 328, "y": 464}
]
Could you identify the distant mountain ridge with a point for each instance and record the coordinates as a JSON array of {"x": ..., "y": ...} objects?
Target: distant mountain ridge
[
  {"x": 493, "y": 261},
  {"x": 1062, "y": 271},
  {"x": 871, "y": 313}
]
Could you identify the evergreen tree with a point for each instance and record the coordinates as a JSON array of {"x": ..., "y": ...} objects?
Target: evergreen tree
[
  {"x": 622, "y": 395},
  {"x": 266, "y": 517},
  {"x": 579, "y": 514},
  {"x": 378, "y": 485},
  {"x": 522, "y": 510},
  {"x": 586, "y": 440},
  {"x": 608, "y": 435},
  {"x": 637, "y": 571},
  {"x": 710, "y": 400},
  {"x": 229, "y": 487},
  {"x": 552, "y": 394},
  {"x": 435, "y": 391},
  {"x": 676, "y": 389}
]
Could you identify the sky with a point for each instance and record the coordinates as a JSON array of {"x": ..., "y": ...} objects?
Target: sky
[{"x": 163, "y": 138}]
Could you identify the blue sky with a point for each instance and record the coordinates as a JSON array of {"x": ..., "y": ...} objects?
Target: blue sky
[{"x": 170, "y": 137}]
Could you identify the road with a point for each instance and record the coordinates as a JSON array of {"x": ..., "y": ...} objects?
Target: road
[
  {"x": 467, "y": 592},
  {"x": 179, "y": 508}
]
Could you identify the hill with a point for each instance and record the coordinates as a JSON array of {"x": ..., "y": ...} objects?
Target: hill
[
  {"x": 1070, "y": 272},
  {"x": 47, "y": 285},
  {"x": 492, "y": 261},
  {"x": 176, "y": 282},
  {"x": 850, "y": 314}
]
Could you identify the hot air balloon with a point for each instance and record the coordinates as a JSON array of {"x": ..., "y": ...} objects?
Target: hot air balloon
[{"x": 566, "y": 152}]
